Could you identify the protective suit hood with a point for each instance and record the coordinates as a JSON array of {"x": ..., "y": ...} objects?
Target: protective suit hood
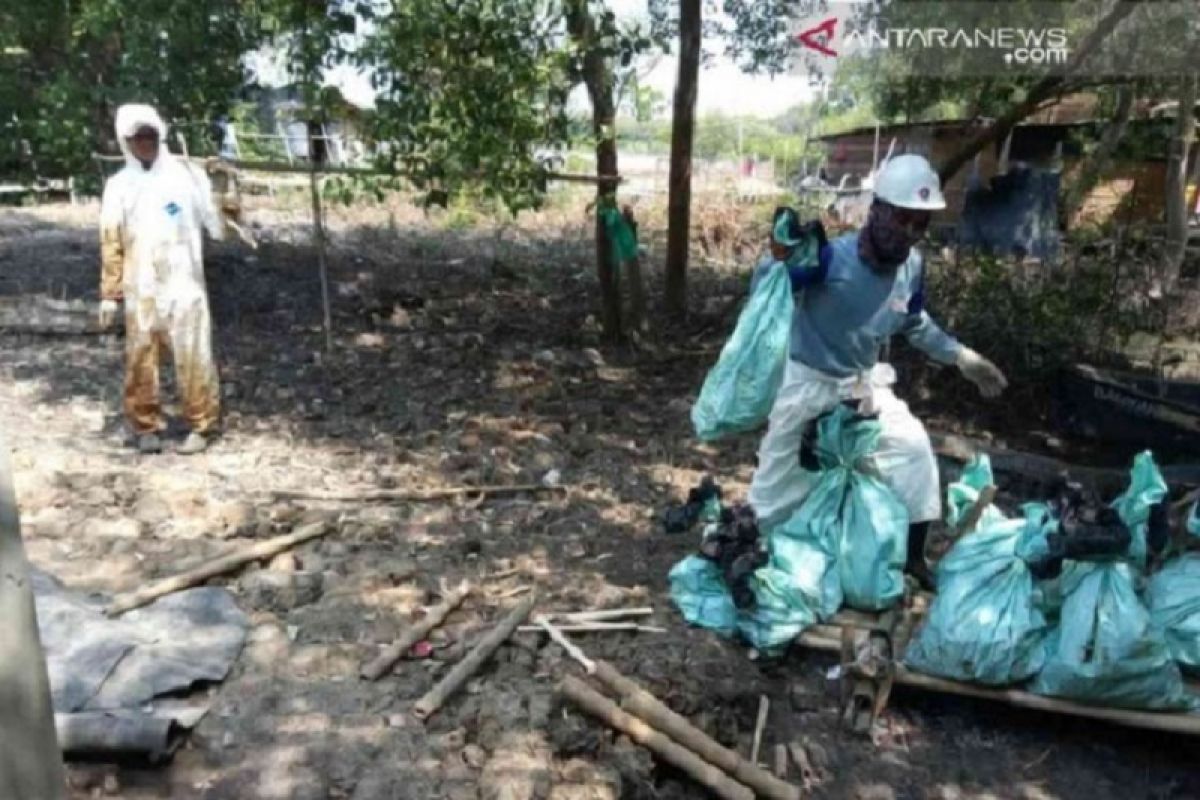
[{"x": 132, "y": 116}]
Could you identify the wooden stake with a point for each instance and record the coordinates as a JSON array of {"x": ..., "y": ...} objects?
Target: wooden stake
[
  {"x": 319, "y": 240},
  {"x": 763, "y": 706},
  {"x": 637, "y": 700},
  {"x": 435, "y": 697},
  {"x": 781, "y": 761},
  {"x": 259, "y": 551},
  {"x": 574, "y": 652},
  {"x": 373, "y": 669},
  {"x": 707, "y": 775},
  {"x": 418, "y": 497}
]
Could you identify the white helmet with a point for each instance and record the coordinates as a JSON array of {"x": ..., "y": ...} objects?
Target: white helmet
[{"x": 908, "y": 181}]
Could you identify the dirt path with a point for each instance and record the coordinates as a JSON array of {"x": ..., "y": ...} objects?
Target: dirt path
[{"x": 461, "y": 359}]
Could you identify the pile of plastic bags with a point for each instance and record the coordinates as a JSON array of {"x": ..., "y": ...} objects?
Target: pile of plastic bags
[
  {"x": 1085, "y": 634},
  {"x": 844, "y": 545}
]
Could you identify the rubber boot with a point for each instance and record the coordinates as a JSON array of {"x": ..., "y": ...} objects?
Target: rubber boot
[{"x": 915, "y": 565}]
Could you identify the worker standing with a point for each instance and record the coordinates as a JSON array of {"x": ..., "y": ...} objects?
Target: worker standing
[
  {"x": 864, "y": 288},
  {"x": 151, "y": 250}
]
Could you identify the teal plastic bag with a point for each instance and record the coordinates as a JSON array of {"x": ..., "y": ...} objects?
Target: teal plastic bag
[
  {"x": 781, "y": 612},
  {"x": 699, "y": 592},
  {"x": 740, "y": 389},
  {"x": 985, "y": 625},
  {"x": 1173, "y": 596},
  {"x": 853, "y": 516},
  {"x": 1193, "y": 522},
  {"x": 809, "y": 561},
  {"x": 1146, "y": 488},
  {"x": 1105, "y": 651}
]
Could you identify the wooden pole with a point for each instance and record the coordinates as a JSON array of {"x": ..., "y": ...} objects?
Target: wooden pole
[
  {"x": 638, "y": 701},
  {"x": 219, "y": 566},
  {"x": 418, "y": 497},
  {"x": 376, "y": 667},
  {"x": 704, "y": 773},
  {"x": 319, "y": 240},
  {"x": 764, "y": 706},
  {"x": 428, "y": 705},
  {"x": 574, "y": 652},
  {"x": 601, "y": 615}
]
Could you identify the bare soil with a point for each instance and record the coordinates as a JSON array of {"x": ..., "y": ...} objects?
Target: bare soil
[{"x": 463, "y": 356}]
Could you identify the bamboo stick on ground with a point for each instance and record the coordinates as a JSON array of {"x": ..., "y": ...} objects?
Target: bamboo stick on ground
[
  {"x": 597, "y": 627},
  {"x": 638, "y": 701},
  {"x": 373, "y": 669},
  {"x": 417, "y": 497},
  {"x": 219, "y": 566},
  {"x": 781, "y": 761},
  {"x": 602, "y": 615},
  {"x": 435, "y": 697},
  {"x": 704, "y": 773},
  {"x": 763, "y": 705},
  {"x": 566, "y": 644}
]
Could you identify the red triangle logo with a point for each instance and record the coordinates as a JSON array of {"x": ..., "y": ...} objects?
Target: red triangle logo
[{"x": 826, "y": 30}]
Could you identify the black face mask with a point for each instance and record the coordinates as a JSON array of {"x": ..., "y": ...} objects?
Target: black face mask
[{"x": 887, "y": 238}]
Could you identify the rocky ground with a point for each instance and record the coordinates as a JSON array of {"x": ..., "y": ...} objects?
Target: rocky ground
[{"x": 462, "y": 357}]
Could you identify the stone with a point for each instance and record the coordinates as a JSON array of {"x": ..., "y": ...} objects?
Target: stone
[
  {"x": 281, "y": 592},
  {"x": 151, "y": 510},
  {"x": 474, "y": 756},
  {"x": 874, "y": 791}
]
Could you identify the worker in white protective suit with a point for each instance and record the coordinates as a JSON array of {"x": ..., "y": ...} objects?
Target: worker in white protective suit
[
  {"x": 150, "y": 232},
  {"x": 864, "y": 288}
]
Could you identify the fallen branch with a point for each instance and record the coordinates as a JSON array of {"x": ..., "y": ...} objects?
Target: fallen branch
[
  {"x": 704, "y": 773},
  {"x": 376, "y": 667},
  {"x": 435, "y": 697},
  {"x": 638, "y": 701},
  {"x": 602, "y": 615},
  {"x": 763, "y": 706},
  {"x": 260, "y": 551},
  {"x": 574, "y": 652},
  {"x": 596, "y": 627},
  {"x": 417, "y": 497}
]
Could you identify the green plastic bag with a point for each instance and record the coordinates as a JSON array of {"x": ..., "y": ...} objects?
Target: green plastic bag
[
  {"x": 1146, "y": 488},
  {"x": 1105, "y": 649},
  {"x": 853, "y": 516},
  {"x": 1173, "y": 596},
  {"x": 985, "y": 625},
  {"x": 740, "y": 389},
  {"x": 699, "y": 592},
  {"x": 781, "y": 612},
  {"x": 810, "y": 562}
]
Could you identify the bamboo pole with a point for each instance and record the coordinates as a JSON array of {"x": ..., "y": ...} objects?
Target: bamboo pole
[
  {"x": 259, "y": 551},
  {"x": 704, "y": 773},
  {"x": 417, "y": 497},
  {"x": 764, "y": 706},
  {"x": 377, "y": 666},
  {"x": 566, "y": 644},
  {"x": 319, "y": 242},
  {"x": 428, "y": 705},
  {"x": 596, "y": 627},
  {"x": 1179, "y": 722},
  {"x": 638, "y": 701},
  {"x": 600, "y": 615}
]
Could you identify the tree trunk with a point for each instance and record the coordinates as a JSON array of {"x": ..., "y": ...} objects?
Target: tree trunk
[
  {"x": 683, "y": 129},
  {"x": 1056, "y": 83},
  {"x": 599, "y": 81},
  {"x": 314, "y": 186},
  {"x": 1090, "y": 172},
  {"x": 1177, "y": 183}
]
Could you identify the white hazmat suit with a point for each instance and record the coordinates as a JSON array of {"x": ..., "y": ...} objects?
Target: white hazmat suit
[{"x": 150, "y": 230}]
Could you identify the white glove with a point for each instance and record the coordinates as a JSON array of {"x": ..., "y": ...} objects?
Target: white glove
[
  {"x": 981, "y": 372},
  {"x": 108, "y": 312}
]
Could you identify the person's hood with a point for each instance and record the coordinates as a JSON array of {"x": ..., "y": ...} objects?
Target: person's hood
[{"x": 132, "y": 116}]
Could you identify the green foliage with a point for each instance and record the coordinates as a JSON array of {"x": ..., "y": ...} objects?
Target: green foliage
[
  {"x": 468, "y": 92},
  {"x": 68, "y": 65}
]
